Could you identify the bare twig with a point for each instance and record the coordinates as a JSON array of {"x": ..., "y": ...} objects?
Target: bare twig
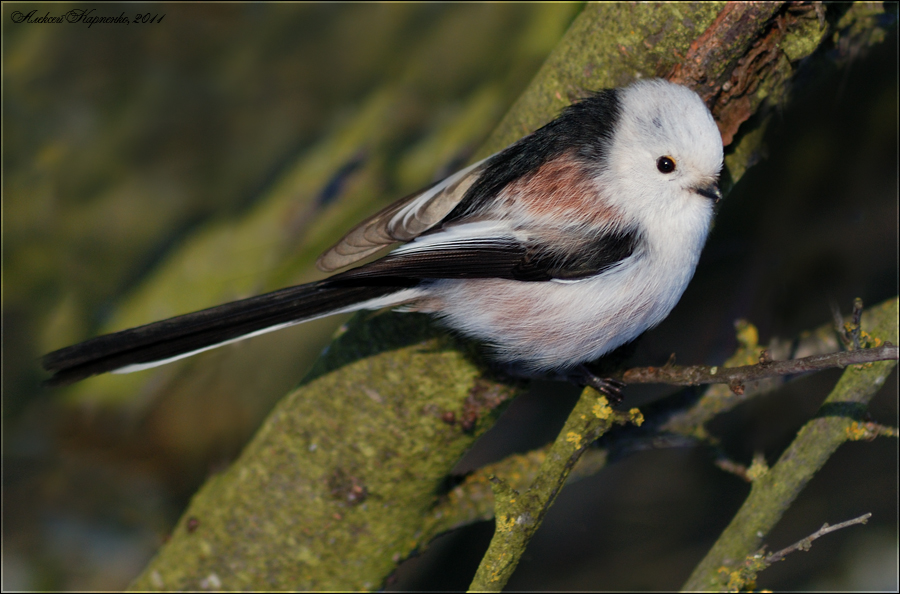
[
  {"x": 743, "y": 577},
  {"x": 736, "y": 376},
  {"x": 806, "y": 543}
]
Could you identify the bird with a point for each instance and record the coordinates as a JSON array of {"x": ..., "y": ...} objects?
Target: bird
[{"x": 552, "y": 252}]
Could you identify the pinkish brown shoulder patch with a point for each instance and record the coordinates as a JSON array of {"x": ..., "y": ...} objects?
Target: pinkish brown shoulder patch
[{"x": 562, "y": 186}]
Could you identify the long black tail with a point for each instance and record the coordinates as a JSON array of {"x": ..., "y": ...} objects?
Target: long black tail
[
  {"x": 177, "y": 337},
  {"x": 370, "y": 286}
]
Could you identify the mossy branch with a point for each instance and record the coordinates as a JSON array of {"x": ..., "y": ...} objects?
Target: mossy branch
[{"x": 519, "y": 514}]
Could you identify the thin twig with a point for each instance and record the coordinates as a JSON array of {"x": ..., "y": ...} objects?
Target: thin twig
[
  {"x": 743, "y": 577},
  {"x": 736, "y": 376},
  {"x": 804, "y": 544}
]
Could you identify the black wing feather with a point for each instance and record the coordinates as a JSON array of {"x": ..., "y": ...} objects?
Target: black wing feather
[{"x": 499, "y": 258}]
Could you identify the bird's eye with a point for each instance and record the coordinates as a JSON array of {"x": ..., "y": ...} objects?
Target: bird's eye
[{"x": 665, "y": 164}]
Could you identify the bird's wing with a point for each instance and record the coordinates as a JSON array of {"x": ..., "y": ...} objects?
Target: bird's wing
[
  {"x": 490, "y": 249},
  {"x": 484, "y": 249},
  {"x": 403, "y": 220}
]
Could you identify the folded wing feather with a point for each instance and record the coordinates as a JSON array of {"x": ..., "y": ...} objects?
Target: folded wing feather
[{"x": 402, "y": 221}]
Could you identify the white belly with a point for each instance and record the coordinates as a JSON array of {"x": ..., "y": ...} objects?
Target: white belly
[{"x": 554, "y": 325}]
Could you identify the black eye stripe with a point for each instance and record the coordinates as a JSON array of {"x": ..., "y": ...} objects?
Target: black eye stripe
[{"x": 665, "y": 164}]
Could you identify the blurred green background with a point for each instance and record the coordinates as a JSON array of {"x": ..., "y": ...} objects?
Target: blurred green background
[{"x": 154, "y": 169}]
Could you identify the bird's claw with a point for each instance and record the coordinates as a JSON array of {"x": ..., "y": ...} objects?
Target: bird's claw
[{"x": 612, "y": 388}]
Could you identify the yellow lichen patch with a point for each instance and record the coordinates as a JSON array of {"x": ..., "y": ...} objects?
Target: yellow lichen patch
[
  {"x": 867, "y": 341},
  {"x": 636, "y": 417},
  {"x": 855, "y": 432},
  {"x": 744, "y": 577},
  {"x": 574, "y": 438},
  {"x": 748, "y": 339},
  {"x": 859, "y": 431},
  {"x": 737, "y": 582},
  {"x": 602, "y": 409},
  {"x": 747, "y": 334},
  {"x": 735, "y": 579},
  {"x": 505, "y": 523}
]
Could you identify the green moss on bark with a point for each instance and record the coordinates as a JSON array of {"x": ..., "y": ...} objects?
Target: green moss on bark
[{"x": 332, "y": 491}]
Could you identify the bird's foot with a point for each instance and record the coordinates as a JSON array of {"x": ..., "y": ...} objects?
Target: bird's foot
[{"x": 606, "y": 385}]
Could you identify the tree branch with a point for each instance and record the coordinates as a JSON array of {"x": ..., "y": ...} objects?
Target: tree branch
[
  {"x": 775, "y": 489},
  {"x": 671, "y": 422},
  {"x": 744, "y": 577},
  {"x": 518, "y": 515},
  {"x": 736, "y": 377},
  {"x": 806, "y": 543}
]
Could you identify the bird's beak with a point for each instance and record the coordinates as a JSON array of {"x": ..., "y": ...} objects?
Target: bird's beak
[{"x": 711, "y": 191}]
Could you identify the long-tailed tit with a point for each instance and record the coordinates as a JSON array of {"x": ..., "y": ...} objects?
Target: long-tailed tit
[{"x": 554, "y": 251}]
